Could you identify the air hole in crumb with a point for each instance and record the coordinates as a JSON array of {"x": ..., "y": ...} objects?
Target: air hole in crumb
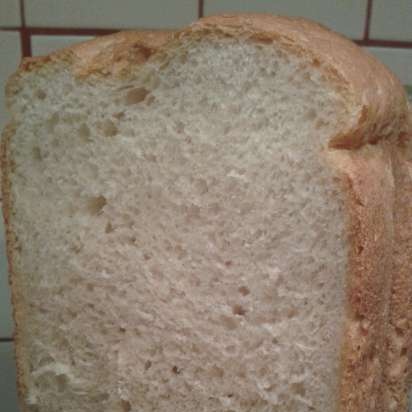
[
  {"x": 404, "y": 351},
  {"x": 146, "y": 256},
  {"x": 156, "y": 272},
  {"x": 47, "y": 359},
  {"x": 95, "y": 205},
  {"x": 180, "y": 252},
  {"x": 216, "y": 372},
  {"x": 298, "y": 388},
  {"x": 291, "y": 313},
  {"x": 61, "y": 381},
  {"x": 37, "y": 154},
  {"x": 108, "y": 228},
  {"x": 109, "y": 129},
  {"x": 150, "y": 100},
  {"x": 126, "y": 406},
  {"x": 118, "y": 115},
  {"x": 84, "y": 132},
  {"x": 180, "y": 127},
  {"x": 238, "y": 310},
  {"x": 67, "y": 88},
  {"x": 150, "y": 157},
  {"x": 229, "y": 322},
  {"x": 243, "y": 290},
  {"x": 320, "y": 123},
  {"x": 122, "y": 330},
  {"x": 275, "y": 341},
  {"x": 359, "y": 249},
  {"x": 310, "y": 114},
  {"x": 40, "y": 94},
  {"x": 176, "y": 370},
  {"x": 228, "y": 263},
  {"x": 136, "y": 95},
  {"x": 147, "y": 365},
  {"x": 201, "y": 186},
  {"x": 52, "y": 122},
  {"x": 90, "y": 287},
  {"x": 230, "y": 395}
]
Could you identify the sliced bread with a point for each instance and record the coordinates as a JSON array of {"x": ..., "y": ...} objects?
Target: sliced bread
[{"x": 216, "y": 220}]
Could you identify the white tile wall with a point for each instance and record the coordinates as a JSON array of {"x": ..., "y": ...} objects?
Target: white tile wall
[
  {"x": 391, "y": 20},
  {"x": 42, "y": 45},
  {"x": 9, "y": 59},
  {"x": 398, "y": 60},
  {"x": 346, "y": 16},
  {"x": 10, "y": 56},
  {"x": 8, "y": 392},
  {"x": 110, "y": 13},
  {"x": 6, "y": 323},
  {"x": 9, "y": 13}
]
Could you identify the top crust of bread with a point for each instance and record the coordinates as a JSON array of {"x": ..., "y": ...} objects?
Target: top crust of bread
[
  {"x": 381, "y": 113},
  {"x": 369, "y": 86}
]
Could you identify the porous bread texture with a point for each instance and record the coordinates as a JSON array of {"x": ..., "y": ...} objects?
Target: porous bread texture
[
  {"x": 181, "y": 234},
  {"x": 399, "y": 335}
]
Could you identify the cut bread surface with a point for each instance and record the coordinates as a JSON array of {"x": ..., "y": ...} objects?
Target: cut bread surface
[{"x": 179, "y": 232}]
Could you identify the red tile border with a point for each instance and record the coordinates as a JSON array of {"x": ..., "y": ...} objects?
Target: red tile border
[
  {"x": 71, "y": 31},
  {"x": 396, "y": 44},
  {"x": 24, "y": 35},
  {"x": 25, "y": 42},
  {"x": 201, "y": 9},
  {"x": 368, "y": 16}
]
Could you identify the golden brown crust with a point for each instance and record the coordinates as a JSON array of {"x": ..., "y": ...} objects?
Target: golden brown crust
[
  {"x": 11, "y": 246},
  {"x": 399, "y": 336},
  {"x": 380, "y": 105},
  {"x": 112, "y": 54},
  {"x": 367, "y": 175},
  {"x": 103, "y": 56}
]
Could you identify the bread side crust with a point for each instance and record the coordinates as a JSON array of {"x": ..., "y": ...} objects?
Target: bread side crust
[
  {"x": 381, "y": 112},
  {"x": 399, "y": 338},
  {"x": 11, "y": 252},
  {"x": 369, "y": 188}
]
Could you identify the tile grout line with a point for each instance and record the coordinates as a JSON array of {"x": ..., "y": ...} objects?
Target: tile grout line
[
  {"x": 72, "y": 31},
  {"x": 24, "y": 35},
  {"x": 368, "y": 17},
  {"x": 394, "y": 44},
  {"x": 201, "y": 8}
]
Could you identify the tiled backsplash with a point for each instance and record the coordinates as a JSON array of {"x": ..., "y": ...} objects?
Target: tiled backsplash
[
  {"x": 37, "y": 27},
  {"x": 41, "y": 45},
  {"x": 391, "y": 20},
  {"x": 347, "y": 17},
  {"x": 113, "y": 14},
  {"x": 10, "y": 13}
]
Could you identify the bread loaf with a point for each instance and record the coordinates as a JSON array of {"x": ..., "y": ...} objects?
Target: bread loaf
[{"x": 217, "y": 220}]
